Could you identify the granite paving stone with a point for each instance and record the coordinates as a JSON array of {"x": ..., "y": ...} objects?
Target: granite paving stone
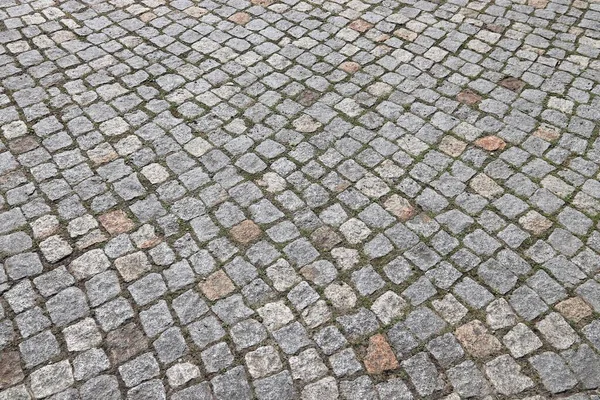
[{"x": 282, "y": 199}]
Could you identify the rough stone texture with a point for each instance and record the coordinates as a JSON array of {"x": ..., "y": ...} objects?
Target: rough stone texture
[
  {"x": 506, "y": 376},
  {"x": 513, "y": 84},
  {"x": 468, "y": 381},
  {"x": 245, "y": 232},
  {"x": 380, "y": 356},
  {"x": 282, "y": 199},
  {"x": 263, "y": 361},
  {"x": 51, "y": 379},
  {"x": 553, "y": 371},
  {"x": 574, "y": 309},
  {"x": 468, "y": 97},
  {"x": 10, "y": 369},
  {"x": 241, "y": 18},
  {"x": 423, "y": 374},
  {"x": 521, "y": 340},
  {"x": 116, "y": 222},
  {"x": 125, "y": 342},
  {"x": 491, "y": 143},
  {"x": 477, "y": 340},
  {"x": 216, "y": 286}
]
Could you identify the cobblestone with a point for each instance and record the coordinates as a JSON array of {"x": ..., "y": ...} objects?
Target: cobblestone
[{"x": 299, "y": 200}]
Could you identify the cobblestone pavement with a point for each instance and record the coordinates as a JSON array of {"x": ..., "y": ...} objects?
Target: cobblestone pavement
[{"x": 363, "y": 199}]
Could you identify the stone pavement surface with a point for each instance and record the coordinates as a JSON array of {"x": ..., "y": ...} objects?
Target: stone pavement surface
[{"x": 365, "y": 199}]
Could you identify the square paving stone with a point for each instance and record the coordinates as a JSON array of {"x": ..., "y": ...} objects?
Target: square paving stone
[{"x": 553, "y": 371}]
